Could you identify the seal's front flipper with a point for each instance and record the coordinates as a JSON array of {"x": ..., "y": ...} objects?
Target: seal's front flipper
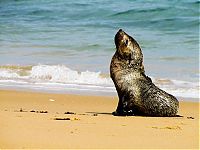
[
  {"x": 123, "y": 113},
  {"x": 116, "y": 113},
  {"x": 123, "y": 108}
]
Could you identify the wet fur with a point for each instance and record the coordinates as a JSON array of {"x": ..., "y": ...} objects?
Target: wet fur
[{"x": 137, "y": 94}]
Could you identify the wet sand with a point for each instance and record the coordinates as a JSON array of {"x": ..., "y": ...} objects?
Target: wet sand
[{"x": 43, "y": 120}]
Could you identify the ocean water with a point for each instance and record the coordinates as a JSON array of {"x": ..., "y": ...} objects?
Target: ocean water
[{"x": 66, "y": 46}]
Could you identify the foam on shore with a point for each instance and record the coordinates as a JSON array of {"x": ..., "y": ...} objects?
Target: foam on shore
[{"x": 60, "y": 78}]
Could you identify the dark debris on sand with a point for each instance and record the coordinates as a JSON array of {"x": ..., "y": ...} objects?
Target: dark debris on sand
[
  {"x": 70, "y": 113},
  {"x": 41, "y": 111},
  {"x": 190, "y": 117},
  {"x": 62, "y": 119}
]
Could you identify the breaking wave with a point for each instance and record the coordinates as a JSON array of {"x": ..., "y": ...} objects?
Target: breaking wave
[{"x": 60, "y": 78}]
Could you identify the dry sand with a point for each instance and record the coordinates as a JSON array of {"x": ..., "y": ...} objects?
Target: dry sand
[{"x": 40, "y": 120}]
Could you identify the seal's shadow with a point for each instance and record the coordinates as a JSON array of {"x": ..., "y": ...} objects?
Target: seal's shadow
[
  {"x": 106, "y": 113},
  {"x": 111, "y": 114},
  {"x": 176, "y": 116}
]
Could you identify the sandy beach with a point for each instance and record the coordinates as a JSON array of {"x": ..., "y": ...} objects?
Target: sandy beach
[
  {"x": 56, "y": 80},
  {"x": 43, "y": 120}
]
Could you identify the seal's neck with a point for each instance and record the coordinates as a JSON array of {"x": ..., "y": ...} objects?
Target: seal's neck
[{"x": 131, "y": 64}]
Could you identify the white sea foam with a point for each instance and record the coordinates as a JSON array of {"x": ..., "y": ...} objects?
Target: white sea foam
[
  {"x": 8, "y": 74},
  {"x": 60, "y": 78},
  {"x": 62, "y": 74}
]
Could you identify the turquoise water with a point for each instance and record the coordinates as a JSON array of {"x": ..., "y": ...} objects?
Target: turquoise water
[{"x": 79, "y": 35}]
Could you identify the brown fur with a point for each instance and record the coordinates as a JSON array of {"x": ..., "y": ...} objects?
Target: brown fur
[{"x": 137, "y": 94}]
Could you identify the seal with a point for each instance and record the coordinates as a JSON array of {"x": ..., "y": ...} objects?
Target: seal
[{"x": 137, "y": 94}]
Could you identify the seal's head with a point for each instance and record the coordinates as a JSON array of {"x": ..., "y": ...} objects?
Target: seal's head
[{"x": 127, "y": 47}]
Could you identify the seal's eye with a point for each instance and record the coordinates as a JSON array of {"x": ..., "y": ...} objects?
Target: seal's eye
[{"x": 126, "y": 42}]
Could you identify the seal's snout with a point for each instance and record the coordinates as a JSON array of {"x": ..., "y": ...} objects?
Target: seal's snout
[
  {"x": 120, "y": 30},
  {"x": 119, "y": 37}
]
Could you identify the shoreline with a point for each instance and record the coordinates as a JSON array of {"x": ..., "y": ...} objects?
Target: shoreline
[
  {"x": 83, "y": 93},
  {"x": 62, "y": 79},
  {"x": 43, "y": 120}
]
